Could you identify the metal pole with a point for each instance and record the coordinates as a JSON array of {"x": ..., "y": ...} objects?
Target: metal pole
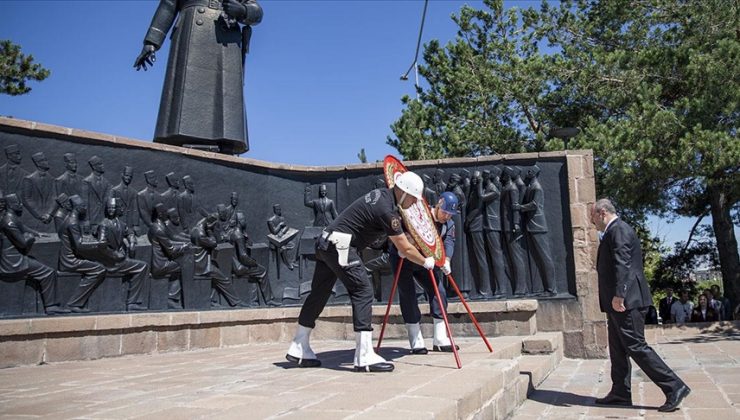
[
  {"x": 390, "y": 302},
  {"x": 444, "y": 316}
]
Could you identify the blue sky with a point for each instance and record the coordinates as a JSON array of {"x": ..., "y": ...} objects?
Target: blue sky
[{"x": 322, "y": 77}]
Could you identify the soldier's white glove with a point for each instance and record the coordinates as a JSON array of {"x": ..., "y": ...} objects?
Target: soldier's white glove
[
  {"x": 429, "y": 263},
  {"x": 446, "y": 268}
]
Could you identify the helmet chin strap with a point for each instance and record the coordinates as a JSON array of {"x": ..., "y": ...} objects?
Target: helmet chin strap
[{"x": 403, "y": 198}]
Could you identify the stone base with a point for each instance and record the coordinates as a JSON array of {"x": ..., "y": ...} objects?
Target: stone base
[{"x": 56, "y": 339}]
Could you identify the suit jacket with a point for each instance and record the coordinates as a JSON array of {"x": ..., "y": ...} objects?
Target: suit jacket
[
  {"x": 509, "y": 216},
  {"x": 164, "y": 250},
  {"x": 128, "y": 196},
  {"x": 11, "y": 177},
  {"x": 323, "y": 209},
  {"x": 619, "y": 265},
  {"x": 15, "y": 244},
  {"x": 70, "y": 184},
  {"x": 492, "y": 199},
  {"x": 38, "y": 196},
  {"x": 664, "y": 308},
  {"x": 112, "y": 233},
  {"x": 146, "y": 199},
  {"x": 533, "y": 208},
  {"x": 98, "y": 193}
]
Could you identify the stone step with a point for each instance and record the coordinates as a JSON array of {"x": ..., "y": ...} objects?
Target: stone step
[{"x": 255, "y": 381}]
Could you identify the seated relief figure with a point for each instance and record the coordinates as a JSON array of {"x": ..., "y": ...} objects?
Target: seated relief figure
[
  {"x": 203, "y": 235},
  {"x": 166, "y": 255},
  {"x": 119, "y": 244},
  {"x": 281, "y": 236},
  {"x": 243, "y": 265},
  {"x": 63, "y": 209},
  {"x": 15, "y": 263},
  {"x": 77, "y": 256}
]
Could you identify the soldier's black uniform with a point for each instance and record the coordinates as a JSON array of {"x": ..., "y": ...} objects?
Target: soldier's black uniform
[{"x": 368, "y": 219}]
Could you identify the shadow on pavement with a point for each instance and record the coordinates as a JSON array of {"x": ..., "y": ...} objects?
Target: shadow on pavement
[
  {"x": 342, "y": 360},
  {"x": 568, "y": 399}
]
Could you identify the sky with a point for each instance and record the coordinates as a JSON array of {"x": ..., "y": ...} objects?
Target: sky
[{"x": 322, "y": 79}]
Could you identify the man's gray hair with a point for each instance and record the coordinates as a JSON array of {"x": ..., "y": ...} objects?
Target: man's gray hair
[{"x": 605, "y": 204}]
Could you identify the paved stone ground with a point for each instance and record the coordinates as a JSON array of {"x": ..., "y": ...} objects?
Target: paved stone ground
[
  {"x": 254, "y": 382},
  {"x": 708, "y": 363}
]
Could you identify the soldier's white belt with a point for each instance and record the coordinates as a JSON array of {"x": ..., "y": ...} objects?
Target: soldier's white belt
[{"x": 341, "y": 242}]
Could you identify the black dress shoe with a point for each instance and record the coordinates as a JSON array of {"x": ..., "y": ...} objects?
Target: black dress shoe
[
  {"x": 445, "y": 349},
  {"x": 304, "y": 363},
  {"x": 56, "y": 309},
  {"x": 672, "y": 403},
  {"x": 378, "y": 367},
  {"x": 614, "y": 400},
  {"x": 420, "y": 350}
]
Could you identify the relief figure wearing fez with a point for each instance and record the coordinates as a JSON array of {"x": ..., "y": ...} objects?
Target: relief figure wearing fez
[
  {"x": 63, "y": 209},
  {"x": 188, "y": 205},
  {"x": 69, "y": 182},
  {"x": 98, "y": 192},
  {"x": 127, "y": 198},
  {"x": 11, "y": 173},
  {"x": 323, "y": 207},
  {"x": 38, "y": 193},
  {"x": 169, "y": 197},
  {"x": 74, "y": 256},
  {"x": 147, "y": 198},
  {"x": 202, "y": 99},
  {"x": 166, "y": 254},
  {"x": 115, "y": 255},
  {"x": 15, "y": 263},
  {"x": 533, "y": 209},
  {"x": 204, "y": 238},
  {"x": 277, "y": 226},
  {"x": 242, "y": 263}
]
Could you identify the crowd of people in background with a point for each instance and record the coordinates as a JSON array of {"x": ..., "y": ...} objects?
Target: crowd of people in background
[{"x": 709, "y": 306}]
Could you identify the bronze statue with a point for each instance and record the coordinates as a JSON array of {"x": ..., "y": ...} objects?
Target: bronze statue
[
  {"x": 98, "y": 191},
  {"x": 202, "y": 100},
  {"x": 323, "y": 207},
  {"x": 15, "y": 263},
  {"x": 202, "y": 235},
  {"x": 533, "y": 207},
  {"x": 281, "y": 236},
  {"x": 166, "y": 255},
  {"x": 147, "y": 198},
  {"x": 127, "y": 198},
  {"x": 38, "y": 193},
  {"x": 492, "y": 230},
  {"x": 69, "y": 182},
  {"x": 430, "y": 195},
  {"x": 115, "y": 255},
  {"x": 476, "y": 241},
  {"x": 460, "y": 260},
  {"x": 11, "y": 173},
  {"x": 76, "y": 255},
  {"x": 510, "y": 225}
]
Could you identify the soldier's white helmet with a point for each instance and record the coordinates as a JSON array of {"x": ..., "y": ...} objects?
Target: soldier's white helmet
[{"x": 411, "y": 184}]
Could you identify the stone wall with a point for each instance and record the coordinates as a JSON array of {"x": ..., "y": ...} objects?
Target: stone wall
[{"x": 569, "y": 186}]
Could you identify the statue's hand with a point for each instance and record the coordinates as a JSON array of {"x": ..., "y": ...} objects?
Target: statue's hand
[
  {"x": 147, "y": 57},
  {"x": 235, "y": 9}
]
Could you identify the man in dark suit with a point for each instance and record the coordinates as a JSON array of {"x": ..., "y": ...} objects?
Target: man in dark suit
[
  {"x": 624, "y": 296},
  {"x": 664, "y": 306}
]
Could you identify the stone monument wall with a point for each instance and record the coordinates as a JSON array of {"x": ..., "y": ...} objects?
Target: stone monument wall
[{"x": 566, "y": 178}]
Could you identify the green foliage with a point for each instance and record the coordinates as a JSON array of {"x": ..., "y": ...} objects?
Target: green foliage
[
  {"x": 16, "y": 69},
  {"x": 654, "y": 86},
  {"x": 362, "y": 156}
]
